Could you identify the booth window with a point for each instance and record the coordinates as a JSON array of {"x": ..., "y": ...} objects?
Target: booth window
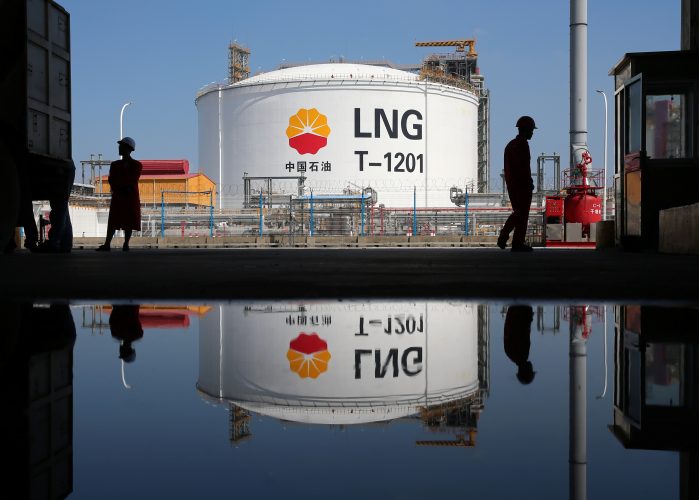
[
  {"x": 666, "y": 126},
  {"x": 633, "y": 117},
  {"x": 664, "y": 374}
]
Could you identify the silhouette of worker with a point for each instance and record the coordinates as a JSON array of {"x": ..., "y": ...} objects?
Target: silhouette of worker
[
  {"x": 518, "y": 177},
  {"x": 517, "y": 342},
  {"x": 60, "y": 237},
  {"x": 125, "y": 207},
  {"x": 125, "y": 326}
]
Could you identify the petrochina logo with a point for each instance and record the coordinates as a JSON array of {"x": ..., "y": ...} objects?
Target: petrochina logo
[
  {"x": 308, "y": 355},
  {"x": 308, "y": 131}
]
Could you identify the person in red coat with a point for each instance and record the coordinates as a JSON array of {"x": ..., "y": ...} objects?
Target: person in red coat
[
  {"x": 518, "y": 177},
  {"x": 125, "y": 207}
]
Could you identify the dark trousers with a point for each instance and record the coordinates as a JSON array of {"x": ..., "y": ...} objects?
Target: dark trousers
[
  {"x": 518, "y": 219},
  {"x": 60, "y": 235}
]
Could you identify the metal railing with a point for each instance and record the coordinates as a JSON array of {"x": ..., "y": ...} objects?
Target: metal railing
[{"x": 342, "y": 215}]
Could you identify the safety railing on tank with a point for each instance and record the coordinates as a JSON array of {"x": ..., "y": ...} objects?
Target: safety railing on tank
[{"x": 340, "y": 77}]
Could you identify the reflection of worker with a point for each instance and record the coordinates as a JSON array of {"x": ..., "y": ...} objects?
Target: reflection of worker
[
  {"x": 516, "y": 336},
  {"x": 518, "y": 177},
  {"x": 126, "y": 327},
  {"x": 125, "y": 207}
]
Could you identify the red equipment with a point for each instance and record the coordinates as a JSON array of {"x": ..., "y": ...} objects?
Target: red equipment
[{"x": 582, "y": 203}]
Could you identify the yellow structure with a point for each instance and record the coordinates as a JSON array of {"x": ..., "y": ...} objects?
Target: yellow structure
[
  {"x": 459, "y": 44},
  {"x": 174, "y": 189}
]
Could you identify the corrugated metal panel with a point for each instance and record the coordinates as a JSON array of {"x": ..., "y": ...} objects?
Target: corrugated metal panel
[
  {"x": 165, "y": 167},
  {"x": 179, "y": 190},
  {"x": 48, "y": 79}
]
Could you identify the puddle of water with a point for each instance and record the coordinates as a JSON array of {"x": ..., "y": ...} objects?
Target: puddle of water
[{"x": 344, "y": 399}]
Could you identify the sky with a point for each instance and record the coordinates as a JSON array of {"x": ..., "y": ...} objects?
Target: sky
[{"x": 157, "y": 54}]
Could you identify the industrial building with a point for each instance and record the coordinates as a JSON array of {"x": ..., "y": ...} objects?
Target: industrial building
[{"x": 169, "y": 182}]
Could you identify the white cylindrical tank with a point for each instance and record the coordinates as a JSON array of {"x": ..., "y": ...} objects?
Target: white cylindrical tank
[
  {"x": 338, "y": 362},
  {"x": 340, "y": 126}
]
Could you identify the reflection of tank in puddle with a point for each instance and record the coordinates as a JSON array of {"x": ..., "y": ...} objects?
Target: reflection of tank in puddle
[{"x": 340, "y": 363}]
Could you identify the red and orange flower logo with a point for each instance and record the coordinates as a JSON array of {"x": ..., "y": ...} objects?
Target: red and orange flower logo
[
  {"x": 308, "y": 355},
  {"x": 308, "y": 131}
]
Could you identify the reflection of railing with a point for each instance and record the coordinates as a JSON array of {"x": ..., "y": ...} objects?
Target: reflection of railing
[{"x": 239, "y": 424}]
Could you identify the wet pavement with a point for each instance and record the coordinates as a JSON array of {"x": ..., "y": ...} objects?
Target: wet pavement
[
  {"x": 372, "y": 373},
  {"x": 546, "y": 274},
  {"x": 348, "y": 399}
]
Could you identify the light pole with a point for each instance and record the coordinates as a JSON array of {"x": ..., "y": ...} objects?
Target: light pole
[
  {"x": 604, "y": 197},
  {"x": 121, "y": 121}
]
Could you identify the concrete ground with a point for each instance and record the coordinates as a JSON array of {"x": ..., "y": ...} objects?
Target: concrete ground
[{"x": 197, "y": 275}]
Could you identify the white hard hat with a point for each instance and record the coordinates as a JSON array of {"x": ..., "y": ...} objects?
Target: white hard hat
[{"x": 129, "y": 142}]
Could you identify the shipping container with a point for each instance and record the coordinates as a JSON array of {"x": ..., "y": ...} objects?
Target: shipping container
[{"x": 35, "y": 87}]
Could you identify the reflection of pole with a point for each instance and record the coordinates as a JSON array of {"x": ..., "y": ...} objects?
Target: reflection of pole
[
  {"x": 123, "y": 378},
  {"x": 604, "y": 391},
  {"x": 577, "y": 458}
]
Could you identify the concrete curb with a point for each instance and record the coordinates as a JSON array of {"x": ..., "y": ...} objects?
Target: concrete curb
[{"x": 290, "y": 241}]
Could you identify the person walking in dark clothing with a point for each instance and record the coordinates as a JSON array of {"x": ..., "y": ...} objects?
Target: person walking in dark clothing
[
  {"x": 518, "y": 323},
  {"x": 125, "y": 207},
  {"x": 518, "y": 177},
  {"x": 60, "y": 237}
]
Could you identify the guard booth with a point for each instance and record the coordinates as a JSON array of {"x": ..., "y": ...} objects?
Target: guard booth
[
  {"x": 657, "y": 141},
  {"x": 656, "y": 385}
]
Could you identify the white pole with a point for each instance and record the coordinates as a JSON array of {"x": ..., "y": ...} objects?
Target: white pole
[
  {"x": 604, "y": 200},
  {"x": 121, "y": 121},
  {"x": 578, "y": 78}
]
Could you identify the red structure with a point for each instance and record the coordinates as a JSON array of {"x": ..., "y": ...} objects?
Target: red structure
[
  {"x": 582, "y": 204},
  {"x": 165, "y": 167},
  {"x": 553, "y": 214}
]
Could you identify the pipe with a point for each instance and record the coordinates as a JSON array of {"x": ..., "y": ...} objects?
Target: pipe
[
  {"x": 414, "y": 211},
  {"x": 578, "y": 78},
  {"x": 121, "y": 120}
]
